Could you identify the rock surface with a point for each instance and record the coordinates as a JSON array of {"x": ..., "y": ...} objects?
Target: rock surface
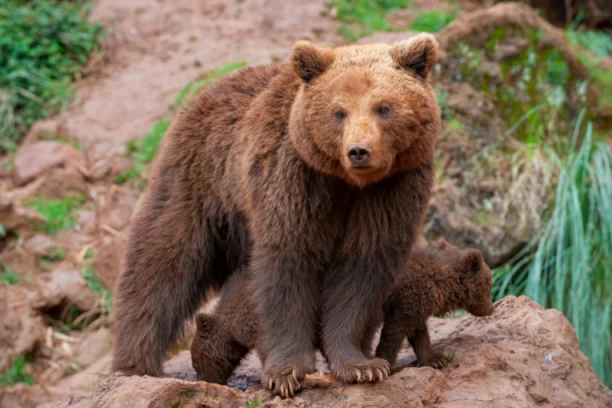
[{"x": 521, "y": 356}]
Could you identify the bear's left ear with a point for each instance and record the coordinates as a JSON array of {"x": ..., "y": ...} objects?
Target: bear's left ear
[
  {"x": 416, "y": 55},
  {"x": 471, "y": 262},
  {"x": 310, "y": 61}
]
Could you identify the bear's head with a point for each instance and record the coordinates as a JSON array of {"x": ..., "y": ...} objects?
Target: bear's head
[
  {"x": 214, "y": 354},
  {"x": 365, "y": 112},
  {"x": 475, "y": 279}
]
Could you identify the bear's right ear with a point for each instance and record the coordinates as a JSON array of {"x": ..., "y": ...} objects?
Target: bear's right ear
[
  {"x": 416, "y": 55},
  {"x": 205, "y": 323},
  {"x": 310, "y": 61}
]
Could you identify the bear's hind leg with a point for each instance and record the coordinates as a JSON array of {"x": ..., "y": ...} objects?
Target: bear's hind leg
[{"x": 172, "y": 262}]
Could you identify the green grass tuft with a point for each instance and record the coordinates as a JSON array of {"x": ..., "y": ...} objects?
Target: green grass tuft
[
  {"x": 16, "y": 373},
  {"x": 44, "y": 45},
  {"x": 60, "y": 213},
  {"x": 431, "y": 21},
  {"x": 106, "y": 298},
  {"x": 147, "y": 146},
  {"x": 369, "y": 15},
  {"x": 8, "y": 277},
  {"x": 567, "y": 265}
]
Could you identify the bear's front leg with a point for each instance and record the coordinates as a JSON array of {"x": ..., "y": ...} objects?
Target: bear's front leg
[
  {"x": 354, "y": 290},
  {"x": 381, "y": 226},
  {"x": 285, "y": 290}
]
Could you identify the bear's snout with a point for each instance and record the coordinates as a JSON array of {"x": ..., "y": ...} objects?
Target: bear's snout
[{"x": 360, "y": 154}]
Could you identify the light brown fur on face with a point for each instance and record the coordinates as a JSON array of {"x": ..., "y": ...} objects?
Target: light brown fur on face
[
  {"x": 436, "y": 281},
  {"x": 375, "y": 97}
]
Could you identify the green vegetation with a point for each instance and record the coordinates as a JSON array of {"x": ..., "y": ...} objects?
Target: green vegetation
[
  {"x": 600, "y": 44},
  {"x": 45, "y": 261},
  {"x": 567, "y": 264},
  {"x": 16, "y": 373},
  {"x": 144, "y": 150},
  {"x": 368, "y": 15},
  {"x": 106, "y": 297},
  {"x": 8, "y": 277},
  {"x": 431, "y": 21},
  {"x": 194, "y": 87},
  {"x": 44, "y": 45},
  {"x": 254, "y": 404},
  {"x": 60, "y": 213}
]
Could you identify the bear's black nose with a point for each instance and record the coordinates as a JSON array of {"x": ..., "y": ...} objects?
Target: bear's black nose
[{"x": 360, "y": 153}]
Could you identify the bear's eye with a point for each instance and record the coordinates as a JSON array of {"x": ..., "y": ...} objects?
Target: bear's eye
[
  {"x": 382, "y": 110},
  {"x": 339, "y": 114}
]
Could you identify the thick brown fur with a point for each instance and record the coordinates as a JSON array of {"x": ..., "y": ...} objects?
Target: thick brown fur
[
  {"x": 259, "y": 171},
  {"x": 435, "y": 282}
]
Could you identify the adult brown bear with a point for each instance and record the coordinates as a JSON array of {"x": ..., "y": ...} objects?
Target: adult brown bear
[{"x": 316, "y": 174}]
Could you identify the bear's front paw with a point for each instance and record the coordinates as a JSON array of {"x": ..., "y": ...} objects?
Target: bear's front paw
[
  {"x": 374, "y": 370},
  {"x": 436, "y": 360},
  {"x": 286, "y": 381}
]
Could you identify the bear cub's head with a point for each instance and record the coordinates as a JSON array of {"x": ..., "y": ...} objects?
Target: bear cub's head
[
  {"x": 214, "y": 354},
  {"x": 475, "y": 279},
  {"x": 365, "y": 112}
]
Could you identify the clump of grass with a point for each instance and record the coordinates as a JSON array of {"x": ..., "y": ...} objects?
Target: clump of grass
[
  {"x": 431, "y": 21},
  {"x": 147, "y": 147},
  {"x": 44, "y": 46},
  {"x": 8, "y": 277},
  {"x": 96, "y": 287},
  {"x": 368, "y": 15},
  {"x": 567, "y": 265},
  {"x": 60, "y": 213},
  {"x": 16, "y": 373}
]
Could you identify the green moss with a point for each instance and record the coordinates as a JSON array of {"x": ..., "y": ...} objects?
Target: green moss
[{"x": 60, "y": 213}]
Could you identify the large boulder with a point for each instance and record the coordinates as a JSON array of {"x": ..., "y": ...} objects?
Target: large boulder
[{"x": 521, "y": 356}]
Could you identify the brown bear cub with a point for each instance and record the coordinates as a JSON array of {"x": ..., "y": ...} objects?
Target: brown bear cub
[
  {"x": 315, "y": 173},
  {"x": 434, "y": 282}
]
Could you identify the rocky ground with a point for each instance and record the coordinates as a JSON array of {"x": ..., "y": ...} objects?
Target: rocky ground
[{"x": 58, "y": 312}]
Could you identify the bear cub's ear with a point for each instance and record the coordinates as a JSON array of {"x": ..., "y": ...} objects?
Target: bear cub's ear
[
  {"x": 205, "y": 323},
  {"x": 471, "y": 262},
  {"x": 310, "y": 61},
  {"x": 416, "y": 55}
]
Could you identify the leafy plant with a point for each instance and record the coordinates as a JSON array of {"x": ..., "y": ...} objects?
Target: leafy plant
[
  {"x": 567, "y": 265},
  {"x": 370, "y": 15},
  {"x": 254, "y": 404},
  {"x": 16, "y": 373},
  {"x": 431, "y": 21},
  {"x": 8, "y": 277},
  {"x": 44, "y": 45},
  {"x": 60, "y": 213}
]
